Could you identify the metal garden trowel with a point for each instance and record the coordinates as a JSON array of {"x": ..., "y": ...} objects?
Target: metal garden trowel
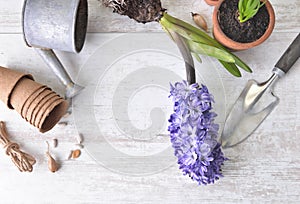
[{"x": 257, "y": 101}]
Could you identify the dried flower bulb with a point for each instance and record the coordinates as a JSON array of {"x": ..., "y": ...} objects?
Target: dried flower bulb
[
  {"x": 52, "y": 165},
  {"x": 76, "y": 153},
  {"x": 200, "y": 21}
]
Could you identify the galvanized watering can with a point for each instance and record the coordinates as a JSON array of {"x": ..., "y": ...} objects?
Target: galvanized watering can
[{"x": 59, "y": 25}]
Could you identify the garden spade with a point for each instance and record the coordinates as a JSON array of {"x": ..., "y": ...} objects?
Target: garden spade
[{"x": 257, "y": 101}]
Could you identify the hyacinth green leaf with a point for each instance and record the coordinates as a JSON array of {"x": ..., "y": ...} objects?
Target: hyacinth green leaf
[
  {"x": 240, "y": 6},
  {"x": 184, "y": 32},
  {"x": 210, "y": 51},
  {"x": 248, "y": 4},
  {"x": 231, "y": 68},
  {"x": 241, "y": 64},
  {"x": 201, "y": 34},
  {"x": 202, "y": 48},
  {"x": 251, "y": 11},
  {"x": 168, "y": 32},
  {"x": 197, "y": 47},
  {"x": 209, "y": 40},
  {"x": 263, "y": 3},
  {"x": 197, "y": 57},
  {"x": 248, "y": 9},
  {"x": 191, "y": 33}
]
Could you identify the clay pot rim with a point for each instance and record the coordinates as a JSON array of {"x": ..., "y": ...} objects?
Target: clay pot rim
[
  {"x": 59, "y": 108},
  {"x": 212, "y": 2},
  {"x": 25, "y": 76},
  {"x": 44, "y": 108},
  {"x": 38, "y": 107},
  {"x": 226, "y": 41}
]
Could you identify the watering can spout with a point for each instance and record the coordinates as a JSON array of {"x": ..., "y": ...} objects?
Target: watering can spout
[
  {"x": 56, "y": 66},
  {"x": 73, "y": 90}
]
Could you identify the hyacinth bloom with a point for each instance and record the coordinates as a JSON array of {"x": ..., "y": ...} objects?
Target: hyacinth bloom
[{"x": 194, "y": 134}]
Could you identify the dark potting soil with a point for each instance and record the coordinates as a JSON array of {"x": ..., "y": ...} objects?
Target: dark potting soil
[{"x": 246, "y": 32}]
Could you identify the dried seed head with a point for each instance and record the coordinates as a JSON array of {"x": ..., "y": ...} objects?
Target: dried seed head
[
  {"x": 76, "y": 153},
  {"x": 200, "y": 21}
]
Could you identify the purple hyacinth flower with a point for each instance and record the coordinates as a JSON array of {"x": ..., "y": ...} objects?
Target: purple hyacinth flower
[{"x": 194, "y": 134}]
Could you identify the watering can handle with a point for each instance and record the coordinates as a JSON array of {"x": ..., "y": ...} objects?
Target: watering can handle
[{"x": 290, "y": 56}]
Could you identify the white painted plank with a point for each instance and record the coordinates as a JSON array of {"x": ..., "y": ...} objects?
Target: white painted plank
[
  {"x": 264, "y": 169},
  {"x": 102, "y": 19}
]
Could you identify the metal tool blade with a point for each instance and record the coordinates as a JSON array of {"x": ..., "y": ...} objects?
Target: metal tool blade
[
  {"x": 254, "y": 104},
  {"x": 241, "y": 124}
]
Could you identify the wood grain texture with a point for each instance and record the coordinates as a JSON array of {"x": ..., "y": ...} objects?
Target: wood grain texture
[
  {"x": 264, "y": 169},
  {"x": 102, "y": 19}
]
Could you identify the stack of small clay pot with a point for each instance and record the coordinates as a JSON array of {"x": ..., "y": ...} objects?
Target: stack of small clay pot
[{"x": 36, "y": 103}]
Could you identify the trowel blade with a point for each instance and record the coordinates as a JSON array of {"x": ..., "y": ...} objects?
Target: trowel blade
[{"x": 242, "y": 122}]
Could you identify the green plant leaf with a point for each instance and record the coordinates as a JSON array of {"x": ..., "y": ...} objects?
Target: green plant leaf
[
  {"x": 248, "y": 9},
  {"x": 248, "y": 4},
  {"x": 198, "y": 45},
  {"x": 200, "y": 36},
  {"x": 203, "y": 49},
  {"x": 231, "y": 68},
  {"x": 197, "y": 57},
  {"x": 263, "y": 3},
  {"x": 240, "y": 6}
]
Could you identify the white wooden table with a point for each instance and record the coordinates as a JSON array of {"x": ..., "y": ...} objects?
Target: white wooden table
[{"x": 263, "y": 169}]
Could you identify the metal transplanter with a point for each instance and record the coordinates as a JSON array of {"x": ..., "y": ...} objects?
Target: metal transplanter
[{"x": 188, "y": 38}]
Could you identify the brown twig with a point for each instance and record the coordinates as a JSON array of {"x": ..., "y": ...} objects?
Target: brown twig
[{"x": 21, "y": 159}]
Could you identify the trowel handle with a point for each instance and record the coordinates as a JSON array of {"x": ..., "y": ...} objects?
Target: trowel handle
[
  {"x": 290, "y": 56},
  {"x": 56, "y": 66}
]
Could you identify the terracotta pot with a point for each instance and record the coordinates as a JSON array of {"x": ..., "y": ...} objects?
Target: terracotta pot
[
  {"x": 212, "y": 2},
  {"x": 229, "y": 43}
]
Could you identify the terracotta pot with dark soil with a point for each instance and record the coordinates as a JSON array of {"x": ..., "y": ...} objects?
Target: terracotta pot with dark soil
[
  {"x": 228, "y": 30},
  {"x": 212, "y": 2}
]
